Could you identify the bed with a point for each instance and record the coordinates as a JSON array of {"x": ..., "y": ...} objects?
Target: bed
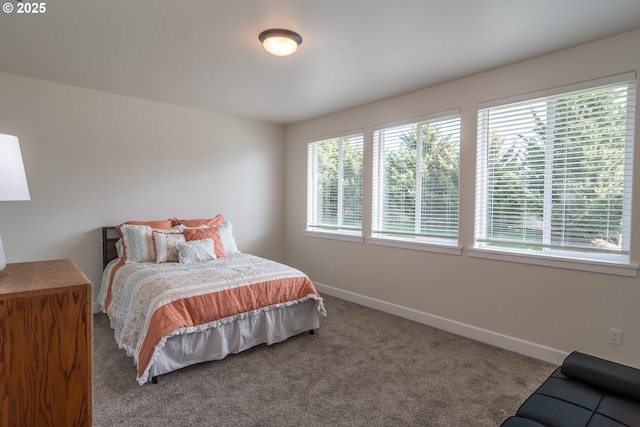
[{"x": 178, "y": 292}]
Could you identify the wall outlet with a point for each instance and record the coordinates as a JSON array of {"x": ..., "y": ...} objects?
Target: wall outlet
[
  {"x": 615, "y": 336},
  {"x": 332, "y": 271}
]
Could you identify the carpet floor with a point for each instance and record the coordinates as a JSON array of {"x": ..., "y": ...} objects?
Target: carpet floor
[{"x": 362, "y": 368}]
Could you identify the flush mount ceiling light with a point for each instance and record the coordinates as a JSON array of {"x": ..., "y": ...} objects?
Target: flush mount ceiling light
[{"x": 280, "y": 42}]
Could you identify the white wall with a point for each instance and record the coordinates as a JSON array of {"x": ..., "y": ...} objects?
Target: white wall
[
  {"x": 542, "y": 311},
  {"x": 96, "y": 159}
]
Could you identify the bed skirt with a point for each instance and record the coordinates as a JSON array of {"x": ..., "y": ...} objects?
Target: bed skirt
[{"x": 265, "y": 327}]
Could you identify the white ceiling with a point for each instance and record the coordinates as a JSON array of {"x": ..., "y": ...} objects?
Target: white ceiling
[{"x": 205, "y": 53}]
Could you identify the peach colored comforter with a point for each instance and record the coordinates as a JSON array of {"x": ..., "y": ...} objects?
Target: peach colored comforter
[{"x": 149, "y": 302}]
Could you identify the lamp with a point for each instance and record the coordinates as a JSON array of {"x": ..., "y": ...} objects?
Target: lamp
[
  {"x": 280, "y": 42},
  {"x": 13, "y": 180}
]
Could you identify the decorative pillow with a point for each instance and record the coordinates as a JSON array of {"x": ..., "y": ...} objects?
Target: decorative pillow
[
  {"x": 210, "y": 222},
  {"x": 119, "y": 248},
  {"x": 196, "y": 251},
  {"x": 137, "y": 242},
  {"x": 228, "y": 241},
  {"x": 166, "y": 245},
  {"x": 206, "y": 233}
]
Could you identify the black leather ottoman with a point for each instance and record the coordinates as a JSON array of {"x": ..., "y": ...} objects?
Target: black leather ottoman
[{"x": 585, "y": 391}]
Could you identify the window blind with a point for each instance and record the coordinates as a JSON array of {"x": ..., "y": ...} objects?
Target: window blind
[
  {"x": 554, "y": 173},
  {"x": 415, "y": 180},
  {"x": 334, "y": 184}
]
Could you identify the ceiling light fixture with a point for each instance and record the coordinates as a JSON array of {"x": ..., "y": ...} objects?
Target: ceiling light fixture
[{"x": 280, "y": 42}]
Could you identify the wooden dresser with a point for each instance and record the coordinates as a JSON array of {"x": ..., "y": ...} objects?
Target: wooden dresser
[{"x": 46, "y": 324}]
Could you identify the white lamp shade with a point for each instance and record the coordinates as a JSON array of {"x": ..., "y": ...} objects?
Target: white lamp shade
[{"x": 13, "y": 180}]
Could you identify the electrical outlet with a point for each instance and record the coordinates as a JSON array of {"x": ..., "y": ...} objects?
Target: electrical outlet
[
  {"x": 332, "y": 271},
  {"x": 615, "y": 336}
]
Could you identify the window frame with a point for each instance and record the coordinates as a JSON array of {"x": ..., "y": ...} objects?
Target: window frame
[
  {"x": 563, "y": 258},
  {"x": 313, "y": 228},
  {"x": 413, "y": 241}
]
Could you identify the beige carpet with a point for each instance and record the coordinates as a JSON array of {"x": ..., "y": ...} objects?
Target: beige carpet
[{"x": 361, "y": 368}]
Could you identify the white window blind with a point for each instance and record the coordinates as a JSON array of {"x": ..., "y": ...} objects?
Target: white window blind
[
  {"x": 554, "y": 174},
  {"x": 415, "y": 180},
  {"x": 334, "y": 185}
]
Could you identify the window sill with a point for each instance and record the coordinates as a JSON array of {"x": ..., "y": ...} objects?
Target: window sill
[
  {"x": 335, "y": 236},
  {"x": 621, "y": 269},
  {"x": 428, "y": 247}
]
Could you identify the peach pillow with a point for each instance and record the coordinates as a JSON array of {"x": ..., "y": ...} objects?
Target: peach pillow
[
  {"x": 210, "y": 222},
  {"x": 166, "y": 224},
  {"x": 206, "y": 233}
]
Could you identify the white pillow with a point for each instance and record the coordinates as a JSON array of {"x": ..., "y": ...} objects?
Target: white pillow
[
  {"x": 166, "y": 245},
  {"x": 228, "y": 241},
  {"x": 119, "y": 248},
  {"x": 137, "y": 241},
  {"x": 196, "y": 251}
]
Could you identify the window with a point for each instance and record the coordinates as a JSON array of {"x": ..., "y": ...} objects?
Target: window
[
  {"x": 415, "y": 181},
  {"x": 334, "y": 185},
  {"x": 554, "y": 173}
]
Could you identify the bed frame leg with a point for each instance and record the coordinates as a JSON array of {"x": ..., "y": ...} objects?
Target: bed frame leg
[
  {"x": 312, "y": 331},
  {"x": 154, "y": 380}
]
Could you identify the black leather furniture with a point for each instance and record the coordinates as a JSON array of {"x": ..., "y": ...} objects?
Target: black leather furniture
[{"x": 585, "y": 391}]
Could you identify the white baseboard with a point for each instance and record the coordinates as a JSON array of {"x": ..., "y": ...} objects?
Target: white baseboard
[{"x": 517, "y": 345}]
